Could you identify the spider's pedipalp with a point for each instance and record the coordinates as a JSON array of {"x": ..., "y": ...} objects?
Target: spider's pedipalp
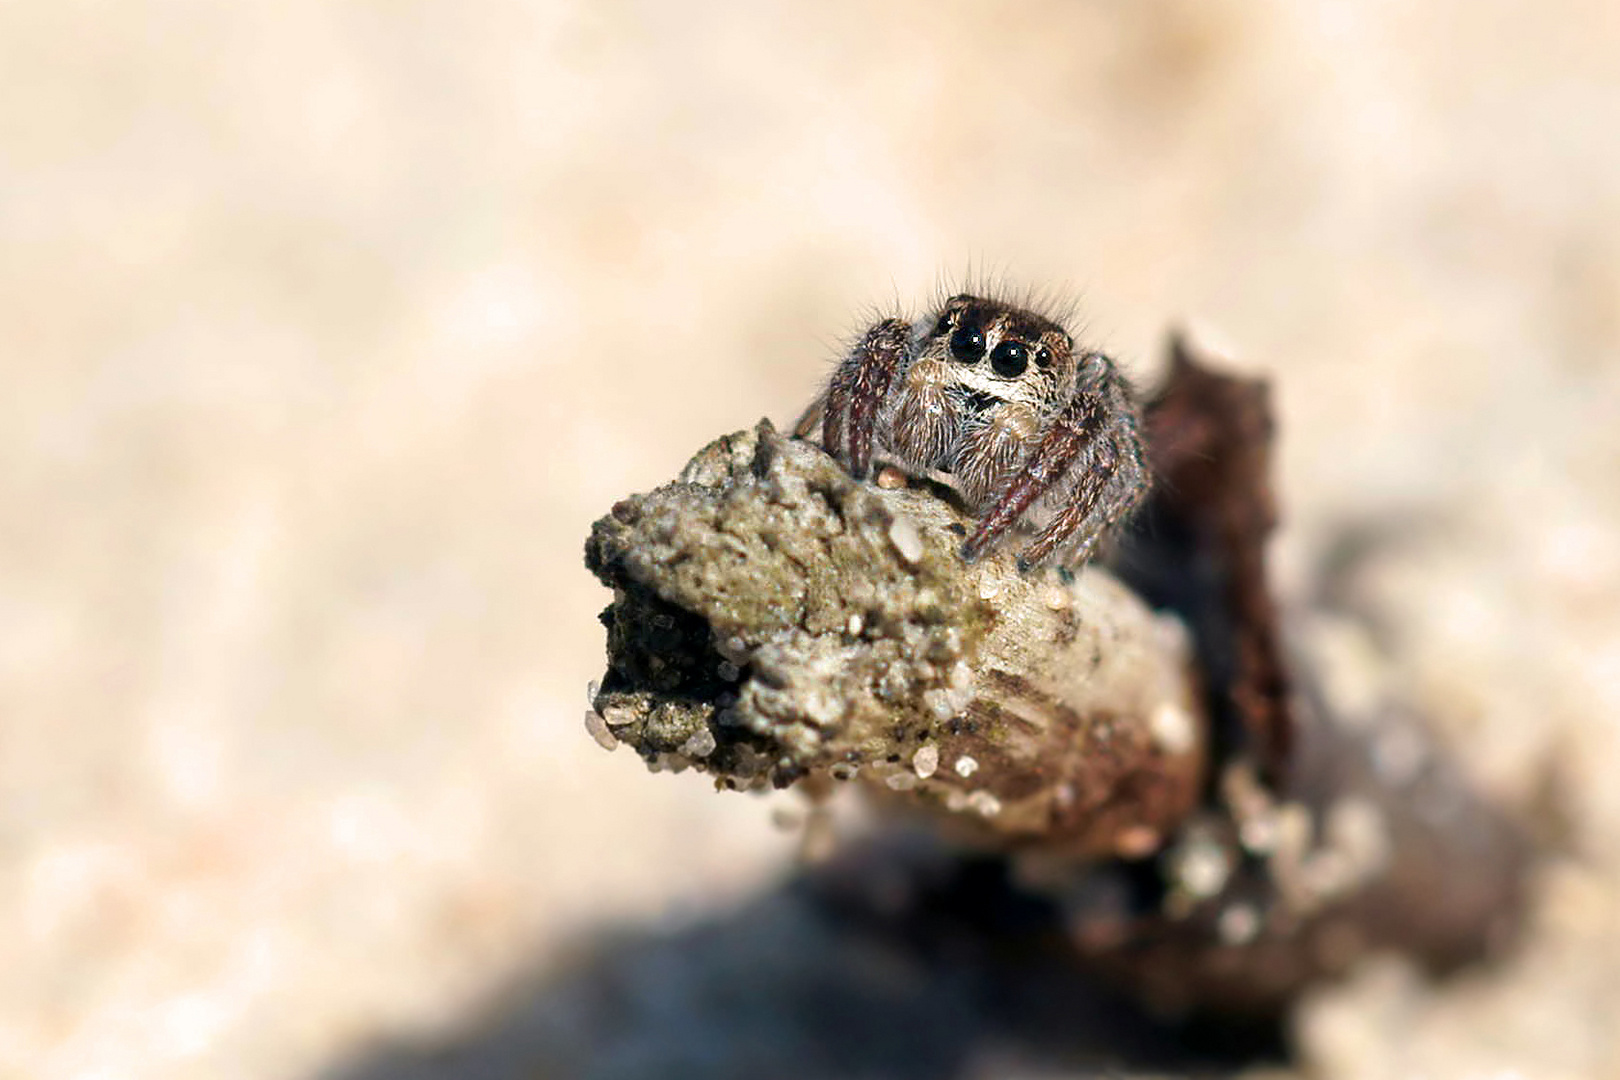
[{"x": 858, "y": 388}]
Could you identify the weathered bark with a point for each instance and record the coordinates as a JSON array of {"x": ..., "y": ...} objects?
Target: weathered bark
[
  {"x": 1215, "y": 828},
  {"x": 775, "y": 621}
]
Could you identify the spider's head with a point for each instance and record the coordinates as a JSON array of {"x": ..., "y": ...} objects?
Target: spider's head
[{"x": 1000, "y": 351}]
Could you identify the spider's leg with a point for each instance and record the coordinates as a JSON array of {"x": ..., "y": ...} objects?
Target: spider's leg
[
  {"x": 1114, "y": 482},
  {"x": 857, "y": 390},
  {"x": 1126, "y": 489},
  {"x": 1062, "y": 446},
  {"x": 812, "y": 416}
]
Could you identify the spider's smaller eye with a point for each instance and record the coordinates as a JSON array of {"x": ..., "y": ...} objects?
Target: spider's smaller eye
[
  {"x": 1043, "y": 357},
  {"x": 967, "y": 344},
  {"x": 1009, "y": 359}
]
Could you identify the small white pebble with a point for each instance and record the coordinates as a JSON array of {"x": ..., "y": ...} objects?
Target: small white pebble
[
  {"x": 1238, "y": 924},
  {"x": 989, "y": 587},
  {"x": 592, "y": 688},
  {"x": 732, "y": 648},
  {"x": 956, "y": 801},
  {"x": 618, "y": 715},
  {"x": 960, "y": 676},
  {"x": 1057, "y": 598},
  {"x": 985, "y": 803},
  {"x": 906, "y": 539},
  {"x": 966, "y": 766},
  {"x": 1201, "y": 868},
  {"x": 890, "y": 479},
  {"x": 900, "y": 781},
  {"x": 855, "y": 625},
  {"x": 599, "y": 730},
  {"x": 1258, "y": 835},
  {"x": 925, "y": 761},
  {"x": 700, "y": 745},
  {"x": 823, "y": 706},
  {"x": 1173, "y": 728},
  {"x": 939, "y": 703}
]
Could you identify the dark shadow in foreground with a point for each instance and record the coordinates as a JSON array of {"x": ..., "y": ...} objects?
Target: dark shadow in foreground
[{"x": 896, "y": 961}]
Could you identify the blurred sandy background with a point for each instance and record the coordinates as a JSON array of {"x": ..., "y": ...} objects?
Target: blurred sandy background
[{"x": 328, "y": 328}]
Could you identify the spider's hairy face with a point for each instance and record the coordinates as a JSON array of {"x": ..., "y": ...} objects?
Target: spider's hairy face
[
  {"x": 995, "y": 353},
  {"x": 984, "y": 380}
]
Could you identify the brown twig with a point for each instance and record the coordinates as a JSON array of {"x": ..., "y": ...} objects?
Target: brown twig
[
  {"x": 1215, "y": 827},
  {"x": 775, "y": 621}
]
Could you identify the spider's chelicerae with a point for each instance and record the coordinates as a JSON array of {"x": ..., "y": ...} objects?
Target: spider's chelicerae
[{"x": 1040, "y": 437}]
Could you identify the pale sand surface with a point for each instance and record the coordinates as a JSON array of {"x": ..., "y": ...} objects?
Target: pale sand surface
[{"x": 328, "y": 328}]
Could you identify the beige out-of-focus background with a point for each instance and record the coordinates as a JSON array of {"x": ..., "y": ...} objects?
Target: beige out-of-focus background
[{"x": 327, "y": 329}]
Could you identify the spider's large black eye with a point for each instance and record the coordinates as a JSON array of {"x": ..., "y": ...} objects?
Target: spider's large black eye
[
  {"x": 1009, "y": 359},
  {"x": 967, "y": 344}
]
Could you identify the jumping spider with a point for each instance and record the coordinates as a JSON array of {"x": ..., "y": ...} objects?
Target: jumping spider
[{"x": 1038, "y": 436}]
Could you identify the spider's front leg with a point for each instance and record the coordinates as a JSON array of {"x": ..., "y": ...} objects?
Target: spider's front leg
[
  {"x": 1093, "y": 460},
  {"x": 857, "y": 392}
]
